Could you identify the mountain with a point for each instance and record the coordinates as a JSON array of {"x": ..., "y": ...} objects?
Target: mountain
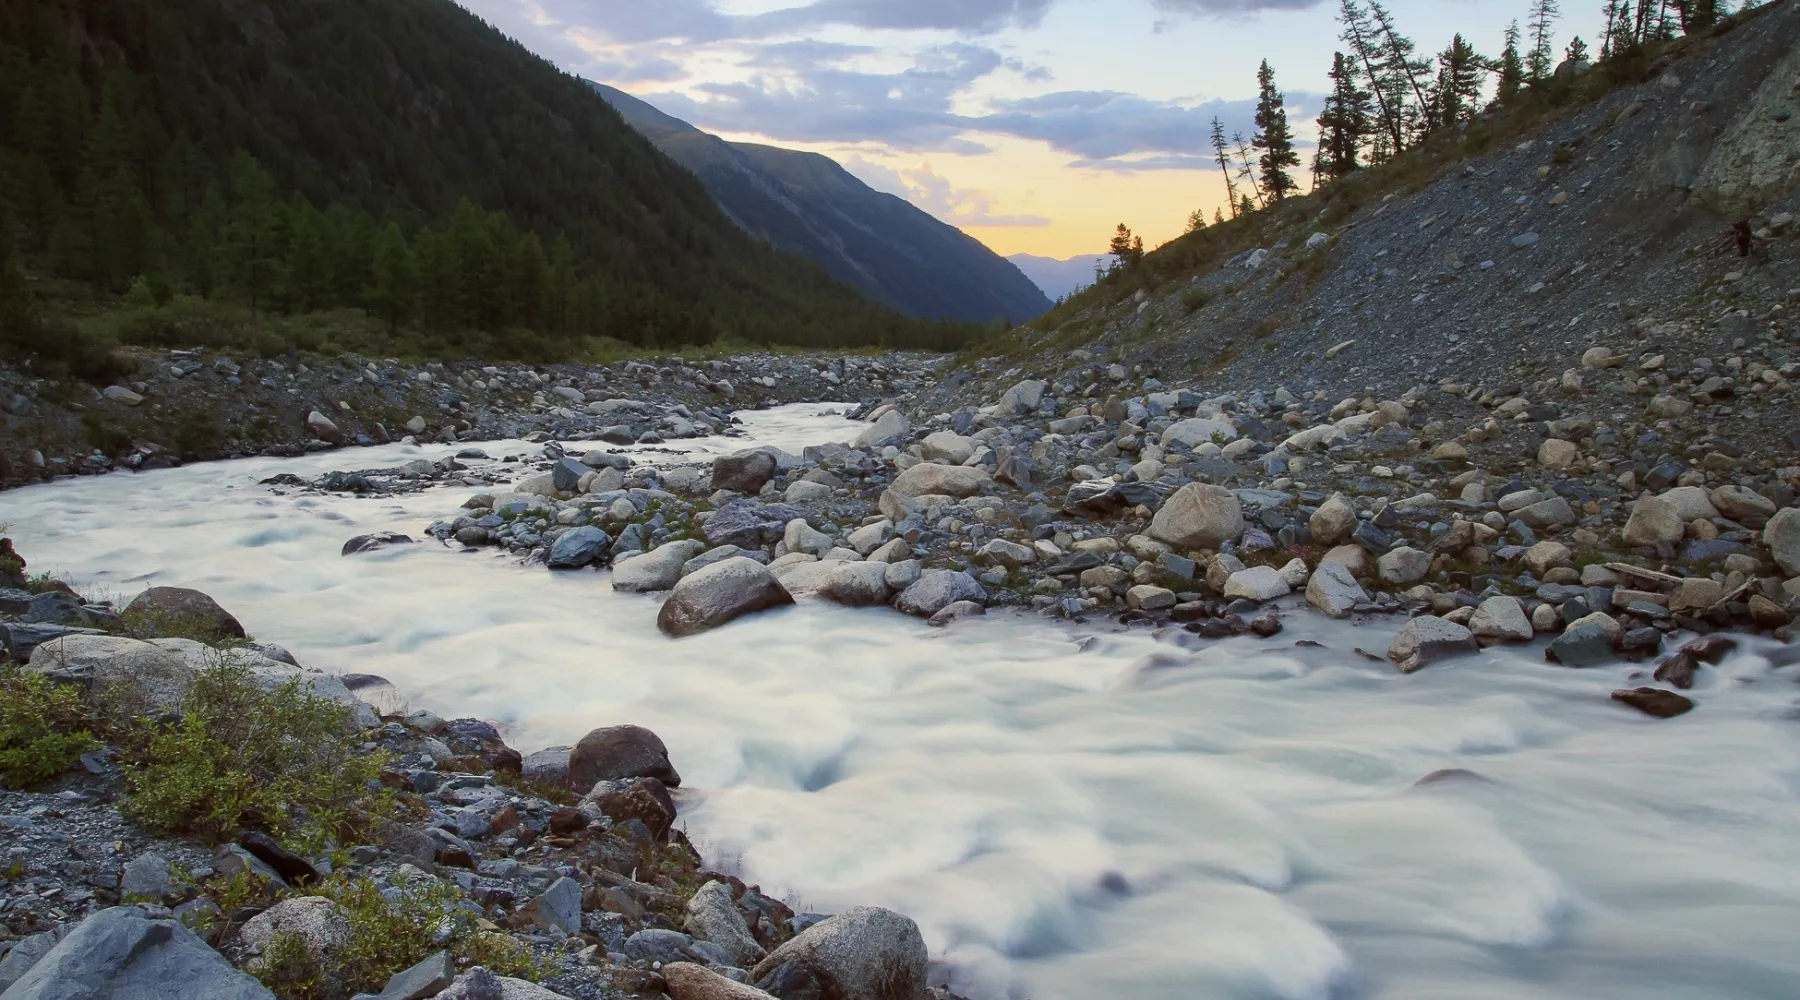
[
  {"x": 805, "y": 203},
  {"x": 1058, "y": 278},
  {"x": 403, "y": 157}
]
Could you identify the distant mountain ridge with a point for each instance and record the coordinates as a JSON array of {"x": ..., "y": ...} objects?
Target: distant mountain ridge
[
  {"x": 806, "y": 203},
  {"x": 1058, "y": 278}
]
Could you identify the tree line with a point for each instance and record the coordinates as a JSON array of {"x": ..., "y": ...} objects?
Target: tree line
[
  {"x": 402, "y": 158},
  {"x": 1386, "y": 99}
]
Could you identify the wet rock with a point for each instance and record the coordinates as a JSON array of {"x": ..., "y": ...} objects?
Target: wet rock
[
  {"x": 930, "y": 479},
  {"x": 321, "y": 427},
  {"x": 856, "y": 584},
  {"x": 1501, "y": 620},
  {"x": 178, "y": 605},
  {"x": 1267, "y": 626},
  {"x": 645, "y": 800},
  {"x": 719, "y": 594},
  {"x": 936, "y": 590},
  {"x": 1199, "y": 516},
  {"x": 957, "y": 612},
  {"x": 1767, "y": 613},
  {"x": 1583, "y": 644},
  {"x": 579, "y": 547},
  {"x": 379, "y": 540},
  {"x": 658, "y": 569},
  {"x": 1333, "y": 590},
  {"x": 122, "y": 953},
  {"x": 1655, "y": 702},
  {"x": 1427, "y": 640},
  {"x": 746, "y": 472},
  {"x": 865, "y": 953},
  {"x": 712, "y": 915},
  {"x": 1679, "y": 670},
  {"x": 620, "y": 752},
  {"x": 1711, "y": 648}
]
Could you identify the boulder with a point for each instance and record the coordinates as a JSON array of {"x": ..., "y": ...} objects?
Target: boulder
[
  {"x": 1333, "y": 590},
  {"x": 620, "y": 752},
  {"x": 1199, "y": 516},
  {"x": 688, "y": 981},
  {"x": 802, "y": 537},
  {"x": 1655, "y": 702},
  {"x": 955, "y": 613},
  {"x": 1024, "y": 398},
  {"x": 1691, "y": 503},
  {"x": 863, "y": 953},
  {"x": 188, "y": 608},
  {"x": 27, "y": 952},
  {"x": 566, "y": 475},
  {"x": 746, "y": 472},
  {"x": 1546, "y": 556},
  {"x": 1552, "y": 513},
  {"x": 1404, "y": 566},
  {"x": 1558, "y": 455},
  {"x": 557, "y": 908},
  {"x": 931, "y": 479},
  {"x": 643, "y": 799},
  {"x": 1501, "y": 619},
  {"x": 1334, "y": 522},
  {"x": 321, "y": 924},
  {"x": 937, "y": 589},
  {"x": 1654, "y": 521},
  {"x": 1258, "y": 583},
  {"x": 658, "y": 569},
  {"x": 123, "y": 953},
  {"x": 1194, "y": 433},
  {"x": 1148, "y": 598},
  {"x": 579, "y": 547},
  {"x": 712, "y": 915},
  {"x": 718, "y": 594},
  {"x": 321, "y": 427},
  {"x": 423, "y": 981},
  {"x": 856, "y": 584},
  {"x": 1428, "y": 639},
  {"x": 1782, "y": 536},
  {"x": 378, "y": 540},
  {"x": 480, "y": 984},
  {"x": 1741, "y": 504},
  {"x": 749, "y": 524},
  {"x": 130, "y": 674},
  {"x": 948, "y": 447},
  {"x": 1585, "y": 643},
  {"x": 890, "y": 428}
]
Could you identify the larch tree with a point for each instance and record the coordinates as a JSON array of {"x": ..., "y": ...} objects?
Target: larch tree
[
  {"x": 1404, "y": 71},
  {"x": 1577, "y": 52},
  {"x": 1618, "y": 37},
  {"x": 1541, "y": 62},
  {"x": 1127, "y": 250},
  {"x": 1346, "y": 121},
  {"x": 1361, "y": 35},
  {"x": 1510, "y": 68},
  {"x": 1457, "y": 94},
  {"x": 1224, "y": 157},
  {"x": 1274, "y": 139}
]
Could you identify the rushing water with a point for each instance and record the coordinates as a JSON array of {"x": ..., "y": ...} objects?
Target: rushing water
[{"x": 1070, "y": 812}]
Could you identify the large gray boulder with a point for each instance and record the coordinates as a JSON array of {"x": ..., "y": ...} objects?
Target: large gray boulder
[
  {"x": 617, "y": 753},
  {"x": 891, "y": 428},
  {"x": 864, "y": 953},
  {"x": 1199, "y": 516},
  {"x": 579, "y": 547},
  {"x": 658, "y": 569},
  {"x": 27, "y": 952},
  {"x": 1428, "y": 639},
  {"x": 130, "y": 675},
  {"x": 745, "y": 472},
  {"x": 1333, "y": 590},
  {"x": 1024, "y": 398},
  {"x": 1334, "y": 522},
  {"x": 1654, "y": 521},
  {"x": 689, "y": 981},
  {"x": 937, "y": 589},
  {"x": 931, "y": 479},
  {"x": 124, "y": 954},
  {"x": 720, "y": 593},
  {"x": 947, "y": 446},
  {"x": 323, "y": 925},
  {"x": 749, "y": 524},
  {"x": 713, "y": 916},
  {"x": 856, "y": 584},
  {"x": 1196, "y": 432},
  {"x": 1501, "y": 619},
  {"x": 189, "y": 608},
  {"x": 1782, "y": 536}
]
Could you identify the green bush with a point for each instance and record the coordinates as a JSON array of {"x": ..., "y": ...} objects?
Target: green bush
[
  {"x": 1195, "y": 299},
  {"x": 42, "y": 728},
  {"x": 242, "y": 756}
]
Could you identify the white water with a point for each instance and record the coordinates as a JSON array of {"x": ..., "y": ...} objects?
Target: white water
[{"x": 1070, "y": 814}]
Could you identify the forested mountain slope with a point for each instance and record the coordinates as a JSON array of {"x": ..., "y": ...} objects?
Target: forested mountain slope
[
  {"x": 808, "y": 204},
  {"x": 401, "y": 157}
]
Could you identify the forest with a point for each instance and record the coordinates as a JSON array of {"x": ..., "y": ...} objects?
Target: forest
[{"x": 181, "y": 172}]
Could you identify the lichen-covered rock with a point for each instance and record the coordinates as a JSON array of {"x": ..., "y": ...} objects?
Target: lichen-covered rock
[{"x": 1199, "y": 516}]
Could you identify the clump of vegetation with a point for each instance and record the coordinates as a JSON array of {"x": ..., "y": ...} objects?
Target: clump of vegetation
[
  {"x": 390, "y": 932},
  {"x": 284, "y": 760},
  {"x": 43, "y": 728}
]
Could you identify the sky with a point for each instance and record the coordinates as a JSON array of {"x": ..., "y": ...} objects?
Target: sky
[{"x": 1036, "y": 126}]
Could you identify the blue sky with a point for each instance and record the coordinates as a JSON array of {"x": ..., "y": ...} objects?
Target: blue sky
[{"x": 1035, "y": 125}]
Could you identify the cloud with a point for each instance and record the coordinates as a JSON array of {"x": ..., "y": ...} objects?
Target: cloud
[
  {"x": 969, "y": 17},
  {"x": 932, "y": 192},
  {"x": 1116, "y": 131},
  {"x": 1225, "y": 8}
]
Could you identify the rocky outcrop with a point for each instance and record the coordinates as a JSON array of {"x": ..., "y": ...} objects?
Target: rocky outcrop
[{"x": 124, "y": 954}]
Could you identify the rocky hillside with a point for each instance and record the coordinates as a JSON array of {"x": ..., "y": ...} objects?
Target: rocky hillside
[{"x": 806, "y": 204}]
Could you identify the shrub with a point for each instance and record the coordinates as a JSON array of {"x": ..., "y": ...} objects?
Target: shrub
[
  {"x": 241, "y": 756},
  {"x": 42, "y": 728},
  {"x": 1195, "y": 299}
]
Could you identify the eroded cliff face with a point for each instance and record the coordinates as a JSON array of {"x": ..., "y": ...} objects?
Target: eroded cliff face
[{"x": 1756, "y": 162}]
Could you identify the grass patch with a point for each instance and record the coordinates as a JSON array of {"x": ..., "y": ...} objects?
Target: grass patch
[{"x": 242, "y": 756}]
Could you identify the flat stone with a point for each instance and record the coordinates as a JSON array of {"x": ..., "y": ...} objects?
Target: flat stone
[
  {"x": 1258, "y": 583},
  {"x": 1501, "y": 620},
  {"x": 1427, "y": 640},
  {"x": 1655, "y": 702},
  {"x": 123, "y": 954}
]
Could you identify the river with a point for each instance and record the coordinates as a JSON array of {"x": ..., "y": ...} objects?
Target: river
[{"x": 1070, "y": 812}]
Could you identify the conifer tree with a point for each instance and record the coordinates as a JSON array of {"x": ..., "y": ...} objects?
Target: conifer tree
[
  {"x": 1273, "y": 137},
  {"x": 1247, "y": 173},
  {"x": 1196, "y": 220},
  {"x": 1542, "y": 61},
  {"x": 1360, "y": 35},
  {"x": 252, "y": 257},
  {"x": 1126, "y": 249},
  {"x": 1618, "y": 36},
  {"x": 1403, "y": 73},
  {"x": 1577, "y": 52},
  {"x": 1697, "y": 15},
  {"x": 1457, "y": 93},
  {"x": 395, "y": 270},
  {"x": 1345, "y": 122},
  {"x": 1510, "y": 69},
  {"x": 1224, "y": 158},
  {"x": 1218, "y": 217}
]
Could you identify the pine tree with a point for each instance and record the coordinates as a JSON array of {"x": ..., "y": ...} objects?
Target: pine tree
[
  {"x": 1577, "y": 52},
  {"x": 1126, "y": 249},
  {"x": 1457, "y": 94},
  {"x": 1196, "y": 220},
  {"x": 1273, "y": 137},
  {"x": 1510, "y": 69},
  {"x": 1345, "y": 122},
  {"x": 1403, "y": 71},
  {"x": 253, "y": 259},
  {"x": 1218, "y": 217},
  {"x": 1224, "y": 158},
  {"x": 394, "y": 290},
  {"x": 1618, "y": 29},
  {"x": 1697, "y": 15},
  {"x": 1247, "y": 173},
  {"x": 1361, "y": 35},
  {"x": 1541, "y": 63}
]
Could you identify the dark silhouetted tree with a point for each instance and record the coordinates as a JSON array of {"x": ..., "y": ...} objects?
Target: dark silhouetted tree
[
  {"x": 1540, "y": 63},
  {"x": 1345, "y": 122},
  {"x": 1274, "y": 139}
]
